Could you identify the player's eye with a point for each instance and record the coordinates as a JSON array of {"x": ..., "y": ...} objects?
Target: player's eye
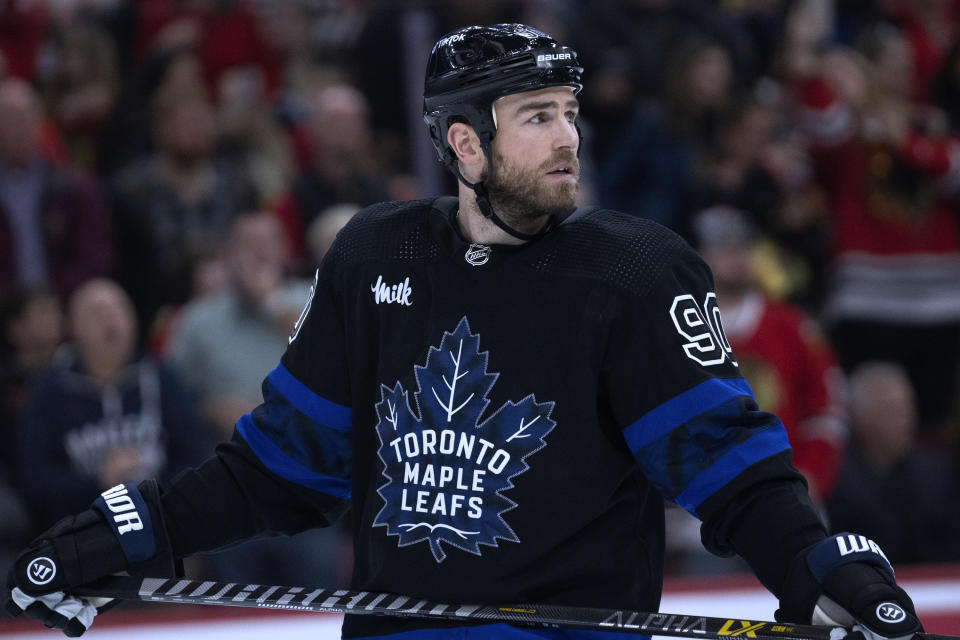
[
  {"x": 540, "y": 118},
  {"x": 572, "y": 116}
]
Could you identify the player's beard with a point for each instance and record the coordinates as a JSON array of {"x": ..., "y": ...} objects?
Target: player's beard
[{"x": 524, "y": 198}]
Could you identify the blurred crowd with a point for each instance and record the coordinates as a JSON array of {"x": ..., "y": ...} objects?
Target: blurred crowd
[{"x": 171, "y": 171}]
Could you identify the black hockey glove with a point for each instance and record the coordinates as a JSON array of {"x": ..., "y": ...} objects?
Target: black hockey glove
[
  {"x": 847, "y": 581},
  {"x": 122, "y": 531}
]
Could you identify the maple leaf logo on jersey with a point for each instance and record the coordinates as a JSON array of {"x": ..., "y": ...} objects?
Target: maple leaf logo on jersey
[{"x": 447, "y": 472}]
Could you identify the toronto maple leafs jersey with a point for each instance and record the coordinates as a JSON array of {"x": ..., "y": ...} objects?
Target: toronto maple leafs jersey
[{"x": 505, "y": 421}]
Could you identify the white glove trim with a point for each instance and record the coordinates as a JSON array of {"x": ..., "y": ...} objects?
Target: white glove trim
[{"x": 69, "y": 607}]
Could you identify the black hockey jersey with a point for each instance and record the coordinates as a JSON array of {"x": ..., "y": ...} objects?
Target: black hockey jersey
[{"x": 505, "y": 421}]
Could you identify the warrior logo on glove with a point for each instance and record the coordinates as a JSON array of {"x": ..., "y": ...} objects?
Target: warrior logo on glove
[
  {"x": 890, "y": 612},
  {"x": 41, "y": 570}
]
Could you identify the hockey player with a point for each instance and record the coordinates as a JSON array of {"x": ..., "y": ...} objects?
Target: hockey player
[{"x": 500, "y": 387}]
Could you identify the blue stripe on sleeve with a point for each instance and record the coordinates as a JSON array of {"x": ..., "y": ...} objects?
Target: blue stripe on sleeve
[
  {"x": 317, "y": 408},
  {"x": 671, "y": 414},
  {"x": 285, "y": 466},
  {"x": 752, "y": 450}
]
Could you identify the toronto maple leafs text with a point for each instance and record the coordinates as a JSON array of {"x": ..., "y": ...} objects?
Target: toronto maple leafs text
[{"x": 441, "y": 479}]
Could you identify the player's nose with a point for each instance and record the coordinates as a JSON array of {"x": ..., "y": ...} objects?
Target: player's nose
[{"x": 566, "y": 135}]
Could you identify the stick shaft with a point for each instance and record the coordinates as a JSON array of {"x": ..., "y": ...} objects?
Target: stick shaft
[{"x": 370, "y": 603}]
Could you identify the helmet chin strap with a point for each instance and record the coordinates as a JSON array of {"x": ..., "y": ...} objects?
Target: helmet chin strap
[{"x": 483, "y": 200}]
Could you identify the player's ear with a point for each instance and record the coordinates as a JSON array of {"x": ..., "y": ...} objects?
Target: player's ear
[{"x": 465, "y": 143}]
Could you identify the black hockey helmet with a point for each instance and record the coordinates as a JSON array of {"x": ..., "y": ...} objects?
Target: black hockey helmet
[{"x": 472, "y": 67}]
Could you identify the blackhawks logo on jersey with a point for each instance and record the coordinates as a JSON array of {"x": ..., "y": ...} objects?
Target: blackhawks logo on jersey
[{"x": 447, "y": 472}]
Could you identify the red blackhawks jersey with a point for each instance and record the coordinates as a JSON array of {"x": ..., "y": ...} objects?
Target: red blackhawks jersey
[
  {"x": 793, "y": 374},
  {"x": 895, "y": 229}
]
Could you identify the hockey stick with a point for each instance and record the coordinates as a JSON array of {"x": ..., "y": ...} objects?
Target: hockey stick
[{"x": 385, "y": 604}]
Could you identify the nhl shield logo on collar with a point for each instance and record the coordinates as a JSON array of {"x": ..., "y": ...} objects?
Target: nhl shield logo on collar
[{"x": 478, "y": 254}]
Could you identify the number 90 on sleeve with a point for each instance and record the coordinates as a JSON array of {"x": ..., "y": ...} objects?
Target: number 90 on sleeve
[{"x": 702, "y": 329}]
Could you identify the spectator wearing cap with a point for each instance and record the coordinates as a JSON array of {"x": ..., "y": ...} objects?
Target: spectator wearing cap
[
  {"x": 785, "y": 360},
  {"x": 782, "y": 356},
  {"x": 781, "y": 352}
]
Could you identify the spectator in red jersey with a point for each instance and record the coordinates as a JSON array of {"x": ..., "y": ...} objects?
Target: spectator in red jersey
[
  {"x": 782, "y": 354},
  {"x": 54, "y": 227},
  {"x": 929, "y": 26},
  {"x": 892, "y": 184}
]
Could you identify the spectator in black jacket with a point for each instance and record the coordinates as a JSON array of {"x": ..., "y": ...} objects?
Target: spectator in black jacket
[
  {"x": 890, "y": 489},
  {"x": 169, "y": 204},
  {"x": 31, "y": 329},
  {"x": 103, "y": 414}
]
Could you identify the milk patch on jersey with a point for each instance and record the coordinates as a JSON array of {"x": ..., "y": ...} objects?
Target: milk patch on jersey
[
  {"x": 447, "y": 473},
  {"x": 392, "y": 293}
]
